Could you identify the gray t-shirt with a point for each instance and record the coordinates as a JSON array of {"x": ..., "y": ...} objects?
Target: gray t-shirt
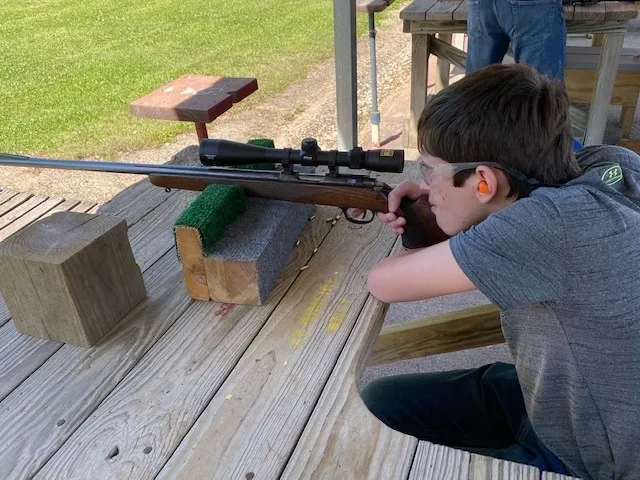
[{"x": 563, "y": 266}]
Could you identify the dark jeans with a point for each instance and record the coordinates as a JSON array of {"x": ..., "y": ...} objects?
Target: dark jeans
[
  {"x": 480, "y": 410},
  {"x": 535, "y": 28}
]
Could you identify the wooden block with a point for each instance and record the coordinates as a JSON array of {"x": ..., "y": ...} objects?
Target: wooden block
[
  {"x": 194, "y": 98},
  {"x": 243, "y": 265},
  {"x": 70, "y": 277}
]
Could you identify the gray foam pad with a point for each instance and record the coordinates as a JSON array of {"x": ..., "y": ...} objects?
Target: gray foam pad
[{"x": 266, "y": 233}]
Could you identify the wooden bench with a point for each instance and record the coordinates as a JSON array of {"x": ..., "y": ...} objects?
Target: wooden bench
[
  {"x": 194, "y": 98},
  {"x": 371, "y": 7},
  {"x": 580, "y": 78}
]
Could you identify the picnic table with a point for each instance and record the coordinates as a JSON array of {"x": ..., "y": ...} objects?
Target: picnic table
[
  {"x": 424, "y": 19},
  {"x": 190, "y": 389}
]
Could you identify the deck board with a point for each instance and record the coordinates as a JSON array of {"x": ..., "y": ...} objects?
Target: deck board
[{"x": 156, "y": 404}]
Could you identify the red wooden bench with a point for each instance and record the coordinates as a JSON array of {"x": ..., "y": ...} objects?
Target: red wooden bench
[{"x": 194, "y": 98}]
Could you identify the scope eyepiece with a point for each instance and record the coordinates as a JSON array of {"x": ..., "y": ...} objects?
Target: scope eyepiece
[{"x": 214, "y": 152}]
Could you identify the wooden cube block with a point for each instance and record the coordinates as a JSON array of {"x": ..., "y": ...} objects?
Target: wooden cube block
[{"x": 70, "y": 277}]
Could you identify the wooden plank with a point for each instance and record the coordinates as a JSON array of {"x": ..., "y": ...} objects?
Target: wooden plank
[
  {"x": 160, "y": 221},
  {"x": 621, "y": 10},
  {"x": 438, "y": 461},
  {"x": 342, "y": 439},
  {"x": 591, "y": 12},
  {"x": 83, "y": 207},
  {"x": 461, "y": 11},
  {"x": 20, "y": 356},
  {"x": 65, "y": 206},
  {"x": 448, "y": 332},
  {"x": 443, "y": 65},
  {"x": 64, "y": 391},
  {"x": 556, "y": 476},
  {"x": 6, "y": 195},
  {"x": 569, "y": 12},
  {"x": 13, "y": 203},
  {"x": 210, "y": 337},
  {"x": 605, "y": 78},
  {"x": 145, "y": 242},
  {"x": 20, "y": 210},
  {"x": 481, "y": 468},
  {"x": 449, "y": 52},
  {"x": 93, "y": 209},
  {"x": 419, "y": 82},
  {"x": 417, "y": 10},
  {"x": 344, "y": 35},
  {"x": 422, "y": 27},
  {"x": 253, "y": 422},
  {"x": 442, "y": 10},
  {"x": 29, "y": 217}
]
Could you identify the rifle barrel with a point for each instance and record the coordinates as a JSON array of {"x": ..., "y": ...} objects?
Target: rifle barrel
[{"x": 136, "y": 168}]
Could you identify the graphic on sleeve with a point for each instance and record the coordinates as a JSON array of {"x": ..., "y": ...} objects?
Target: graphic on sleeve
[{"x": 612, "y": 175}]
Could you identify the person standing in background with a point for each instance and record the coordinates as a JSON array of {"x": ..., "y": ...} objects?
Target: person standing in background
[{"x": 535, "y": 28}]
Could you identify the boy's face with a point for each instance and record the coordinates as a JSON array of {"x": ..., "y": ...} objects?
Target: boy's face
[{"x": 457, "y": 208}]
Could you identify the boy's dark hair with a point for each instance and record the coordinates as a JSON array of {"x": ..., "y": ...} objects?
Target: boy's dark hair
[{"x": 508, "y": 114}]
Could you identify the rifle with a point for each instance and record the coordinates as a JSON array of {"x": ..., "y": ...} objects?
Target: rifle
[{"x": 337, "y": 189}]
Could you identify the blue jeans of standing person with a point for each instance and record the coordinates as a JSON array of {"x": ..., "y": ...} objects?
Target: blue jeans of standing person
[
  {"x": 479, "y": 410},
  {"x": 535, "y": 28}
]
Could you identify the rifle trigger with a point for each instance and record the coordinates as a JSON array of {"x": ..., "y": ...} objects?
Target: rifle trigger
[{"x": 357, "y": 221}]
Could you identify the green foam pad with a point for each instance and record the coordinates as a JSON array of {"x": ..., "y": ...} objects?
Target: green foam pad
[
  {"x": 210, "y": 213},
  {"x": 219, "y": 205}
]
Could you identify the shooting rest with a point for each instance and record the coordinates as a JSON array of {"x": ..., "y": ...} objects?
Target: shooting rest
[{"x": 70, "y": 277}]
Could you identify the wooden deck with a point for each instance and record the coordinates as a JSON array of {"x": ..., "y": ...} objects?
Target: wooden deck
[{"x": 188, "y": 389}]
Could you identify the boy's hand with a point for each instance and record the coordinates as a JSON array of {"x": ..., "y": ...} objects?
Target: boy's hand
[
  {"x": 396, "y": 223},
  {"x": 405, "y": 189}
]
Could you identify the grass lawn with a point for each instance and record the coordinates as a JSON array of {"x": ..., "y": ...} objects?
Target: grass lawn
[{"x": 71, "y": 67}]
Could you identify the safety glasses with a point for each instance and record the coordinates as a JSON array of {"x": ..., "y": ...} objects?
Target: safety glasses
[{"x": 432, "y": 174}]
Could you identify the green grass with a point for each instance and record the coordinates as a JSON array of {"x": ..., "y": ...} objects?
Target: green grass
[{"x": 71, "y": 67}]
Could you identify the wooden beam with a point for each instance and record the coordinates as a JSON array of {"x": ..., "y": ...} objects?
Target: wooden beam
[
  {"x": 344, "y": 34},
  {"x": 460, "y": 330},
  {"x": 448, "y": 52}
]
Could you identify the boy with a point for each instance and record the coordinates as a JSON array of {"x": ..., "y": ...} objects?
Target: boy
[{"x": 553, "y": 240}]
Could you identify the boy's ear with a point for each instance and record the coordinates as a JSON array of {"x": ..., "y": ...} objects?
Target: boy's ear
[{"x": 487, "y": 184}]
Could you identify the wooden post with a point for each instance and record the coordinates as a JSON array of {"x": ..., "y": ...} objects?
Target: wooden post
[
  {"x": 70, "y": 277},
  {"x": 344, "y": 34}
]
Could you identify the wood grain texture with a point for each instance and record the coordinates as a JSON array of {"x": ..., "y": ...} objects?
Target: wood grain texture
[
  {"x": 437, "y": 461},
  {"x": 189, "y": 245},
  {"x": 254, "y": 420},
  {"x": 29, "y": 217},
  {"x": 342, "y": 438},
  {"x": 70, "y": 277},
  {"x": 419, "y": 82},
  {"x": 66, "y": 389},
  {"x": 605, "y": 79},
  {"x": 417, "y": 10},
  {"x": 482, "y": 468},
  {"x": 448, "y": 52},
  {"x": 20, "y": 356},
  {"x": 345, "y": 54},
  {"x": 195, "y": 98},
  {"x": 6, "y": 195},
  {"x": 459, "y": 25},
  {"x": 556, "y": 476},
  {"x": 156, "y": 404},
  {"x": 14, "y": 203},
  {"x": 448, "y": 332}
]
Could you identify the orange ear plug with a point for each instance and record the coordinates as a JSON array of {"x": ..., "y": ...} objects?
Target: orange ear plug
[{"x": 483, "y": 187}]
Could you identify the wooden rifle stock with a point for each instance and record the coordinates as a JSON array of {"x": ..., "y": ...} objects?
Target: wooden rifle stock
[{"x": 365, "y": 194}]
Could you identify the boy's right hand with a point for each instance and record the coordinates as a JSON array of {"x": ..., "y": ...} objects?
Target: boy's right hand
[
  {"x": 405, "y": 189},
  {"x": 395, "y": 222}
]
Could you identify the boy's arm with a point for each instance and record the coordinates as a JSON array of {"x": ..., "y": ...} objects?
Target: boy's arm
[{"x": 418, "y": 275}]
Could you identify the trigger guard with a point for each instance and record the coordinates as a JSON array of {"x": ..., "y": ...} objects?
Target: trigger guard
[{"x": 355, "y": 220}]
